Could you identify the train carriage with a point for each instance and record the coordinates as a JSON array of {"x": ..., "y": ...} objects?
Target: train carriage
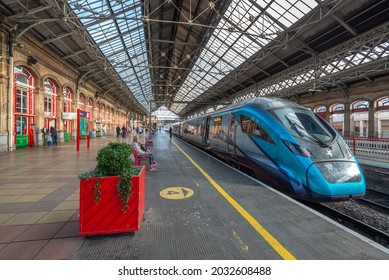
[{"x": 283, "y": 144}]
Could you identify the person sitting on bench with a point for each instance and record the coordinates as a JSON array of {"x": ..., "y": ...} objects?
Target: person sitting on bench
[{"x": 137, "y": 147}]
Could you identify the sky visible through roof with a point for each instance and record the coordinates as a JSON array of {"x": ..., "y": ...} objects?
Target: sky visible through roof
[{"x": 244, "y": 29}]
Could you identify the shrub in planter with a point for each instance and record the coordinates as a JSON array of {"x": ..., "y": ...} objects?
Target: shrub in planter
[
  {"x": 114, "y": 169},
  {"x": 114, "y": 160}
]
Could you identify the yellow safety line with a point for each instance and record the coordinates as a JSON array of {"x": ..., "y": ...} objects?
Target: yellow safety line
[{"x": 284, "y": 253}]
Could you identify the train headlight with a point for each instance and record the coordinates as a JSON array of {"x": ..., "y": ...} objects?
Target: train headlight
[
  {"x": 297, "y": 149},
  {"x": 336, "y": 172}
]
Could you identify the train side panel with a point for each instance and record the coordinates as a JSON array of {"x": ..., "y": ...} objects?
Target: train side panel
[
  {"x": 193, "y": 131},
  {"x": 176, "y": 129}
]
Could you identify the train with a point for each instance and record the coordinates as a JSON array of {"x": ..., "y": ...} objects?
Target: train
[{"x": 281, "y": 143}]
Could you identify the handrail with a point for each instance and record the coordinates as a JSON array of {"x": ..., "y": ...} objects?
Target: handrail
[{"x": 369, "y": 147}]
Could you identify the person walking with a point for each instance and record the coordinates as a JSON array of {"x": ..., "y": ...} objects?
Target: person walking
[
  {"x": 123, "y": 131},
  {"x": 170, "y": 132},
  {"x": 54, "y": 136},
  {"x": 104, "y": 131},
  {"x": 117, "y": 131}
]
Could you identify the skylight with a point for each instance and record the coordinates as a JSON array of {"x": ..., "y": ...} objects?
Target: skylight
[
  {"x": 245, "y": 28},
  {"x": 116, "y": 28}
]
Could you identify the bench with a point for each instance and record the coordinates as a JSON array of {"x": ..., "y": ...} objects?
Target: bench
[{"x": 139, "y": 157}]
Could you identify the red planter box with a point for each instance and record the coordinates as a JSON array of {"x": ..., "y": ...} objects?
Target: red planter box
[{"x": 107, "y": 216}]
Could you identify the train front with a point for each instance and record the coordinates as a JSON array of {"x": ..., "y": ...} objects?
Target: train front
[{"x": 327, "y": 168}]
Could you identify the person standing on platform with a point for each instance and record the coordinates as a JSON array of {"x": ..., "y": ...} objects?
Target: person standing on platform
[
  {"x": 170, "y": 132},
  {"x": 54, "y": 136},
  {"x": 104, "y": 131},
  {"x": 123, "y": 131},
  {"x": 117, "y": 131}
]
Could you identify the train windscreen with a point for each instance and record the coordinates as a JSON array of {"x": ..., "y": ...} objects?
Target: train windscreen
[{"x": 304, "y": 124}]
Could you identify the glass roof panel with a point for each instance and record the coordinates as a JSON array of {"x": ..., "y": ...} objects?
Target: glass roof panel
[
  {"x": 120, "y": 39},
  {"x": 243, "y": 30}
]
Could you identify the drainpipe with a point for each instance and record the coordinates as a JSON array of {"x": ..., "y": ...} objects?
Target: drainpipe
[{"x": 11, "y": 101}]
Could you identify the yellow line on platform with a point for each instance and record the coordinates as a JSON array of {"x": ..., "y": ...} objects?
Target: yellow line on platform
[{"x": 281, "y": 250}]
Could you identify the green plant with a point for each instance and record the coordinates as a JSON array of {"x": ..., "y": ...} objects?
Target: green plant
[{"x": 114, "y": 160}]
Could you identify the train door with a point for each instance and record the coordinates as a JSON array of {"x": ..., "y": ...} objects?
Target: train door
[
  {"x": 206, "y": 132},
  {"x": 231, "y": 136}
]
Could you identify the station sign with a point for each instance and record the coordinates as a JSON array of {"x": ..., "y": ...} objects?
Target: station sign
[{"x": 69, "y": 115}]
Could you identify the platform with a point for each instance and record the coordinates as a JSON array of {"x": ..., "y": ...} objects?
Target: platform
[{"x": 196, "y": 208}]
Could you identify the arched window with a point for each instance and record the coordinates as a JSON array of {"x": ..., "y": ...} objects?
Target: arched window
[
  {"x": 103, "y": 114},
  {"x": 361, "y": 106},
  {"x": 321, "y": 109},
  {"x": 98, "y": 108},
  {"x": 383, "y": 104},
  {"x": 90, "y": 110},
  {"x": 25, "y": 89},
  {"x": 81, "y": 102},
  {"x": 67, "y": 108},
  {"x": 67, "y": 99},
  {"x": 338, "y": 108},
  {"x": 383, "y": 117},
  {"x": 50, "y": 98},
  {"x": 337, "y": 117},
  {"x": 24, "y": 106},
  {"x": 90, "y": 102}
]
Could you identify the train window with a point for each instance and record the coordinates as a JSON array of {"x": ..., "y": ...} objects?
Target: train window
[
  {"x": 217, "y": 127},
  {"x": 252, "y": 128},
  {"x": 305, "y": 124}
]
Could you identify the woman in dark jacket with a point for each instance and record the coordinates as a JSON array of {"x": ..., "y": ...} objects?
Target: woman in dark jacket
[
  {"x": 123, "y": 131},
  {"x": 54, "y": 135}
]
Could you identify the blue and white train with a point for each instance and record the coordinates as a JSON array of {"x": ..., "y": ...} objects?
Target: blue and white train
[{"x": 283, "y": 144}]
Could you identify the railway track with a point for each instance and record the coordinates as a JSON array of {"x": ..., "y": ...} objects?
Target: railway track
[
  {"x": 357, "y": 225},
  {"x": 376, "y": 200}
]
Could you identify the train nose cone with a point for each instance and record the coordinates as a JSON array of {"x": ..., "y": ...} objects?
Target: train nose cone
[{"x": 335, "y": 180}]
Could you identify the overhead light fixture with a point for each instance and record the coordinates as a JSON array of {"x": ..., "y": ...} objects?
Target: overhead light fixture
[
  {"x": 314, "y": 88},
  {"x": 21, "y": 45}
]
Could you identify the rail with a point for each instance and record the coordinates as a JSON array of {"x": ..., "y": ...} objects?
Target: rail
[{"x": 370, "y": 148}]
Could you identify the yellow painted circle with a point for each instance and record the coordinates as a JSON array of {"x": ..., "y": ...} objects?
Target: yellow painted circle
[{"x": 176, "y": 193}]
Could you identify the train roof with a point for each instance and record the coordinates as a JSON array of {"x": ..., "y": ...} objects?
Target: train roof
[
  {"x": 265, "y": 103},
  {"x": 262, "y": 103}
]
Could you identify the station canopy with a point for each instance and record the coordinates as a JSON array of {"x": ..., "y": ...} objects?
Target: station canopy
[{"x": 196, "y": 56}]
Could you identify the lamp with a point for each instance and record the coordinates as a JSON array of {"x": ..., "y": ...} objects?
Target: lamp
[{"x": 32, "y": 60}]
